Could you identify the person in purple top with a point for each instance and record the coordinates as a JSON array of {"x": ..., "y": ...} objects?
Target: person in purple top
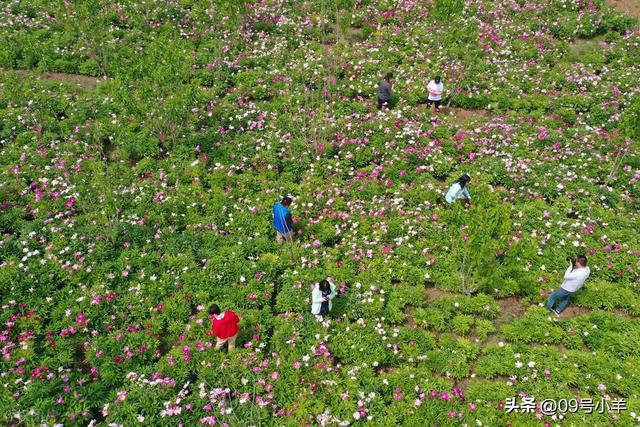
[{"x": 282, "y": 220}]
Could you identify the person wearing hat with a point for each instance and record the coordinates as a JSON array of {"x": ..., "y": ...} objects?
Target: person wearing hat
[
  {"x": 458, "y": 190},
  {"x": 435, "y": 89}
]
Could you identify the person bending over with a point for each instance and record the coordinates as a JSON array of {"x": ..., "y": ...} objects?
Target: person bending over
[{"x": 458, "y": 190}]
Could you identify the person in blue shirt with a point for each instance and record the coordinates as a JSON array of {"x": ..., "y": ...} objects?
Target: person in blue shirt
[
  {"x": 459, "y": 190},
  {"x": 282, "y": 220}
]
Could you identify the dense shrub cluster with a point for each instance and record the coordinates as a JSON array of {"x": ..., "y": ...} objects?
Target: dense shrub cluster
[{"x": 132, "y": 201}]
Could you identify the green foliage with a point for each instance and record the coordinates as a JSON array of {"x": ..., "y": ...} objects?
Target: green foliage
[
  {"x": 142, "y": 147},
  {"x": 630, "y": 122}
]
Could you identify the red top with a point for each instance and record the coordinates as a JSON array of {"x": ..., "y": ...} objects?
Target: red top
[{"x": 225, "y": 327}]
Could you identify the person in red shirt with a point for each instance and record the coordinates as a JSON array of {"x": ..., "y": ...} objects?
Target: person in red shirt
[{"x": 224, "y": 326}]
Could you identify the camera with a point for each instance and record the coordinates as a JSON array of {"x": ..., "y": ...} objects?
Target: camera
[{"x": 572, "y": 260}]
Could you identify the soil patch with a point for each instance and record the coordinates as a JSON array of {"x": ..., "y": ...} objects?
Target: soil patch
[
  {"x": 435, "y": 293},
  {"x": 85, "y": 82},
  {"x": 511, "y": 309},
  {"x": 463, "y": 114}
]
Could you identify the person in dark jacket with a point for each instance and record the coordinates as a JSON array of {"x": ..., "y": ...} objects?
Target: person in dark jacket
[
  {"x": 282, "y": 220},
  {"x": 384, "y": 91}
]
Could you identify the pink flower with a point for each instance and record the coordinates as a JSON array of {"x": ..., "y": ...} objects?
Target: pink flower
[
  {"x": 208, "y": 421},
  {"x": 602, "y": 387},
  {"x": 258, "y": 275},
  {"x": 122, "y": 395},
  {"x": 252, "y": 296},
  {"x": 434, "y": 217},
  {"x": 472, "y": 406},
  {"x": 547, "y": 373},
  {"x": 388, "y": 183},
  {"x": 70, "y": 202},
  {"x": 543, "y": 134},
  {"x": 465, "y": 237}
]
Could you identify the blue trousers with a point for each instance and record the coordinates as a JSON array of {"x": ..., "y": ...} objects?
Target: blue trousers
[{"x": 561, "y": 295}]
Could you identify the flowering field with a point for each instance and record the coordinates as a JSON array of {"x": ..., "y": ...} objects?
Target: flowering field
[{"x": 144, "y": 143}]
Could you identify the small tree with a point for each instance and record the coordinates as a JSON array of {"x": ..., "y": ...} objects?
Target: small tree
[{"x": 478, "y": 235}]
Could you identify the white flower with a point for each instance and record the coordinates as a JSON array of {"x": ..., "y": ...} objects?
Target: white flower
[
  {"x": 531, "y": 364},
  {"x": 356, "y": 415},
  {"x": 519, "y": 364}
]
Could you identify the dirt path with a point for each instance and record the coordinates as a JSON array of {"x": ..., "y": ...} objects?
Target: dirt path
[
  {"x": 435, "y": 293},
  {"x": 511, "y": 308},
  {"x": 461, "y": 115},
  {"x": 86, "y": 82}
]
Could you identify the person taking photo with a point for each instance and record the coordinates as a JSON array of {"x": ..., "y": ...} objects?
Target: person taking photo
[{"x": 574, "y": 278}]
